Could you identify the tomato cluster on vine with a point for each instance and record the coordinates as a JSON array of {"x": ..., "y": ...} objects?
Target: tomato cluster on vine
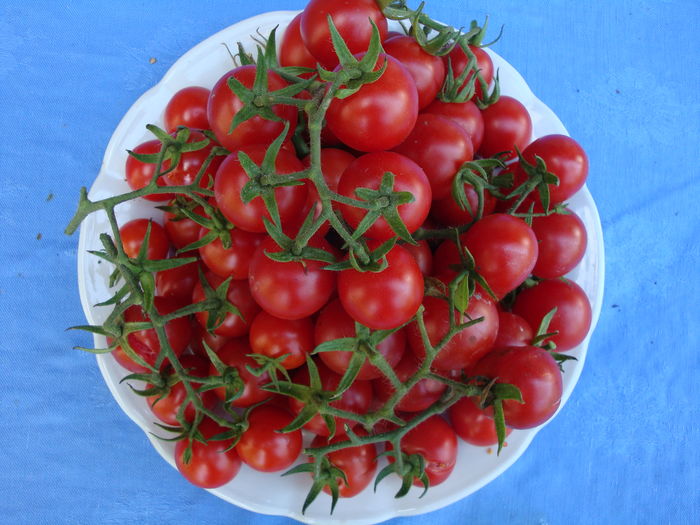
[{"x": 362, "y": 241}]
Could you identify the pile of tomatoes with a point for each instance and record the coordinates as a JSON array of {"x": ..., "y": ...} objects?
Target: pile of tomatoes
[{"x": 510, "y": 249}]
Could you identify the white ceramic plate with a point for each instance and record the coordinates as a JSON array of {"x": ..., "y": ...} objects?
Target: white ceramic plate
[{"x": 476, "y": 467}]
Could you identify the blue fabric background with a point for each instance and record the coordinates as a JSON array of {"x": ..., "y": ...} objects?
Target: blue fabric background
[{"x": 622, "y": 75}]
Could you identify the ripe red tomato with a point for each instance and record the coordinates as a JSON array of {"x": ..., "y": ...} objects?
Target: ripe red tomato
[
  {"x": 565, "y": 158},
  {"x": 466, "y": 114},
  {"x": 167, "y": 407},
  {"x": 234, "y": 261},
  {"x": 367, "y": 171},
  {"x": 386, "y": 299},
  {"x": 224, "y": 104},
  {"x": 422, "y": 254},
  {"x": 275, "y": 337},
  {"x": 351, "y": 19},
  {"x": 472, "y": 424},
  {"x": 535, "y": 373},
  {"x": 448, "y": 212},
  {"x": 440, "y": 146},
  {"x": 355, "y": 399},
  {"x": 573, "y": 316},
  {"x": 504, "y": 249},
  {"x": 239, "y": 295},
  {"x": 262, "y": 446},
  {"x": 146, "y": 343},
  {"x": 562, "y": 241},
  {"x": 467, "y": 346},
  {"x": 178, "y": 283},
  {"x": 201, "y": 336},
  {"x": 428, "y": 71},
  {"x": 380, "y": 115},
  {"x": 333, "y": 322},
  {"x": 134, "y": 232},
  {"x": 181, "y": 230},
  {"x": 187, "y": 107},
  {"x": 513, "y": 330},
  {"x": 333, "y": 164},
  {"x": 211, "y": 464},
  {"x": 292, "y": 51},
  {"x": 232, "y": 178},
  {"x": 235, "y": 353},
  {"x": 139, "y": 174},
  {"x": 435, "y": 440},
  {"x": 421, "y": 395},
  {"x": 289, "y": 290},
  {"x": 191, "y": 163},
  {"x": 507, "y": 124},
  {"x": 359, "y": 464},
  {"x": 484, "y": 64}
]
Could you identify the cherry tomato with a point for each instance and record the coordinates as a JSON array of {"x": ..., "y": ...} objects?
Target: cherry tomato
[
  {"x": 191, "y": 163},
  {"x": 239, "y": 295},
  {"x": 234, "y": 261},
  {"x": 262, "y": 446},
  {"x": 146, "y": 343},
  {"x": 468, "y": 345},
  {"x": 504, "y": 249},
  {"x": 386, "y": 299},
  {"x": 355, "y": 399},
  {"x": 134, "y": 232},
  {"x": 466, "y": 114},
  {"x": 139, "y": 174},
  {"x": 167, "y": 407},
  {"x": 565, "y": 158},
  {"x": 380, "y": 115},
  {"x": 507, "y": 124},
  {"x": 178, "y": 283},
  {"x": 359, "y": 464},
  {"x": 289, "y": 290},
  {"x": 181, "y": 230},
  {"x": 333, "y": 323},
  {"x": 235, "y": 354},
  {"x": 535, "y": 373},
  {"x": 367, "y": 171},
  {"x": 232, "y": 178},
  {"x": 187, "y": 107},
  {"x": 484, "y": 64},
  {"x": 333, "y": 164},
  {"x": 421, "y": 395},
  {"x": 440, "y": 146},
  {"x": 513, "y": 330},
  {"x": 562, "y": 241},
  {"x": 224, "y": 104},
  {"x": 449, "y": 213},
  {"x": 211, "y": 464},
  {"x": 201, "y": 337},
  {"x": 275, "y": 337},
  {"x": 435, "y": 440},
  {"x": 473, "y": 424},
  {"x": 292, "y": 51},
  {"x": 422, "y": 254},
  {"x": 573, "y": 316},
  {"x": 428, "y": 71},
  {"x": 351, "y": 19}
]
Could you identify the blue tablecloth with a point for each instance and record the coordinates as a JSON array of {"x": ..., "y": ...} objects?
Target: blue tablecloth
[{"x": 622, "y": 75}]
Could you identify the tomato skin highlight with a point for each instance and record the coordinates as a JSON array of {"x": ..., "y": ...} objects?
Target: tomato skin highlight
[
  {"x": 380, "y": 115},
  {"x": 262, "y": 447},
  {"x": 386, "y": 299},
  {"x": 289, "y": 290},
  {"x": 535, "y": 373}
]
